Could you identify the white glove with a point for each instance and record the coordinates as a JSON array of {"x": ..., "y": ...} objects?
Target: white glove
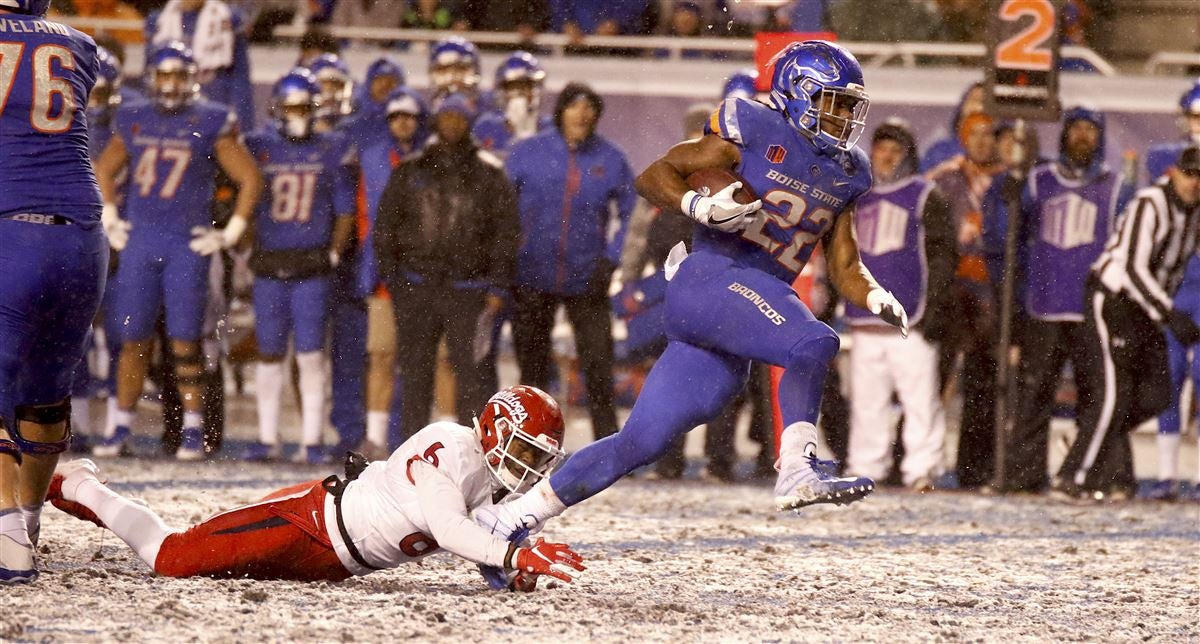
[
  {"x": 720, "y": 211},
  {"x": 501, "y": 521},
  {"x": 335, "y": 258},
  {"x": 206, "y": 241},
  {"x": 115, "y": 228},
  {"x": 888, "y": 308}
]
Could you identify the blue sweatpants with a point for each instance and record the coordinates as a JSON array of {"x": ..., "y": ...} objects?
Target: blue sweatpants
[
  {"x": 1186, "y": 299},
  {"x": 719, "y": 316},
  {"x": 283, "y": 307},
  {"x": 159, "y": 271},
  {"x": 51, "y": 281}
]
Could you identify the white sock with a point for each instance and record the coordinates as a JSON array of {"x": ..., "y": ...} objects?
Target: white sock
[
  {"x": 312, "y": 396},
  {"x": 1168, "y": 456},
  {"x": 193, "y": 419},
  {"x": 793, "y": 444},
  {"x": 377, "y": 422},
  {"x": 541, "y": 502},
  {"x": 122, "y": 417},
  {"x": 268, "y": 384},
  {"x": 135, "y": 524},
  {"x": 12, "y": 525},
  {"x": 81, "y": 420},
  {"x": 33, "y": 521},
  {"x": 110, "y": 416}
]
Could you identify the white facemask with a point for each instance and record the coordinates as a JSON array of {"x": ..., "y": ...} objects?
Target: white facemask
[
  {"x": 296, "y": 127},
  {"x": 521, "y": 115}
]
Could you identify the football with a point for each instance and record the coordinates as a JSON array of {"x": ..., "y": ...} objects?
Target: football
[{"x": 710, "y": 181}]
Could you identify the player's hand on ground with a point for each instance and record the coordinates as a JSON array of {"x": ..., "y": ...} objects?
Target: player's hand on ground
[
  {"x": 547, "y": 558},
  {"x": 720, "y": 211},
  {"x": 888, "y": 308},
  {"x": 115, "y": 228}
]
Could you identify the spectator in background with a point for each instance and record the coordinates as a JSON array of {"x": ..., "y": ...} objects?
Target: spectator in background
[
  {"x": 567, "y": 180},
  {"x": 432, "y": 14},
  {"x": 859, "y": 20},
  {"x": 369, "y": 124},
  {"x": 404, "y": 135},
  {"x": 315, "y": 42},
  {"x": 906, "y": 234},
  {"x": 950, "y": 146},
  {"x": 963, "y": 20},
  {"x": 368, "y": 13},
  {"x": 577, "y": 18},
  {"x": 113, "y": 9},
  {"x": 1068, "y": 210},
  {"x": 216, "y": 34},
  {"x": 450, "y": 198},
  {"x": 526, "y": 17},
  {"x": 964, "y": 181}
]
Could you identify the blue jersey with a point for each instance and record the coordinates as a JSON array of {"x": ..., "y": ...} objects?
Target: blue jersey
[
  {"x": 802, "y": 189},
  {"x": 1162, "y": 156},
  {"x": 491, "y": 132},
  {"x": 309, "y": 183},
  {"x": 172, "y": 164},
  {"x": 47, "y": 71}
]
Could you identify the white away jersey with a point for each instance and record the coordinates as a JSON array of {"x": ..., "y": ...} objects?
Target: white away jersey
[{"x": 419, "y": 500}]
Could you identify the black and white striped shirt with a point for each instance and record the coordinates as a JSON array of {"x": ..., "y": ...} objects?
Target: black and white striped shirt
[{"x": 1147, "y": 257}]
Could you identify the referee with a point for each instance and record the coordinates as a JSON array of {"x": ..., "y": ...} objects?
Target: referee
[{"x": 1127, "y": 304}]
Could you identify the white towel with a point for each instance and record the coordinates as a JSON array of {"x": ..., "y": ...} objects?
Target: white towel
[{"x": 212, "y": 44}]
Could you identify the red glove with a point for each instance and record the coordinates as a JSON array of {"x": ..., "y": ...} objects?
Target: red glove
[{"x": 545, "y": 558}]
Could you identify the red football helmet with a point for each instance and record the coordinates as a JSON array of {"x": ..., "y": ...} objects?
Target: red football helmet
[{"x": 521, "y": 430}]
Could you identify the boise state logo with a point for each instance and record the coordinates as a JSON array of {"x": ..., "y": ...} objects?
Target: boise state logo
[{"x": 776, "y": 153}]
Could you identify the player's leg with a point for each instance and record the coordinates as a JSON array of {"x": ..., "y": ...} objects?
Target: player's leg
[
  {"x": 309, "y": 300},
  {"x": 1170, "y": 422},
  {"x": 138, "y": 300},
  {"x": 271, "y": 324},
  {"x": 417, "y": 354},
  {"x": 347, "y": 354},
  {"x": 186, "y": 289},
  {"x": 914, "y": 364},
  {"x": 533, "y": 318},
  {"x": 381, "y": 372},
  {"x": 687, "y": 386},
  {"x": 591, "y": 321},
  {"x": 871, "y": 385},
  {"x": 1046, "y": 350}
]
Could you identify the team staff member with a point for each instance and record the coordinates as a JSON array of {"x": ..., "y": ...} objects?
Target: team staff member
[
  {"x": 1129, "y": 300},
  {"x": 566, "y": 179},
  {"x": 446, "y": 241},
  {"x": 1068, "y": 210}
]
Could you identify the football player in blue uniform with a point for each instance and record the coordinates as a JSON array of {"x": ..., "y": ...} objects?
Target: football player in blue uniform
[
  {"x": 337, "y": 91},
  {"x": 730, "y": 301},
  {"x": 454, "y": 69},
  {"x": 52, "y": 260},
  {"x": 300, "y": 230},
  {"x": 171, "y": 147},
  {"x": 519, "y": 82}
]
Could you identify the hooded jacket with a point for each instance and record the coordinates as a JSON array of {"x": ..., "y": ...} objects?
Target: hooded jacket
[
  {"x": 368, "y": 125},
  {"x": 948, "y": 146}
]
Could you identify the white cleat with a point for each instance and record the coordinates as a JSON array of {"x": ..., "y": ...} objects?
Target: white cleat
[
  {"x": 811, "y": 481},
  {"x": 17, "y": 565}
]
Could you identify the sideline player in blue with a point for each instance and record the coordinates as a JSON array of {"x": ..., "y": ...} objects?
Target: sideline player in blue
[
  {"x": 171, "y": 147},
  {"x": 299, "y": 234},
  {"x": 52, "y": 260},
  {"x": 731, "y": 300},
  {"x": 519, "y": 88}
]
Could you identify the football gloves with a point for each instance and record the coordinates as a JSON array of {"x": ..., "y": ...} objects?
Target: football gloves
[
  {"x": 206, "y": 241},
  {"x": 115, "y": 228},
  {"x": 720, "y": 211},
  {"x": 546, "y": 558},
  {"x": 888, "y": 308}
]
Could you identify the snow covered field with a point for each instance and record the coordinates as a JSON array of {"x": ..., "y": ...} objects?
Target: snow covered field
[{"x": 687, "y": 561}]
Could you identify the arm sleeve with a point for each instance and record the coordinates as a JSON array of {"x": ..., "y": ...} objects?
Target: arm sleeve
[
  {"x": 626, "y": 199},
  {"x": 450, "y": 524},
  {"x": 1138, "y": 235}
]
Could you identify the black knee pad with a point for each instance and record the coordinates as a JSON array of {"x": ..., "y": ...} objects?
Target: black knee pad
[{"x": 59, "y": 412}]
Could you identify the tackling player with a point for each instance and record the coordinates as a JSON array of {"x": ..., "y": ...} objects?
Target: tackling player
[
  {"x": 52, "y": 260},
  {"x": 300, "y": 232},
  {"x": 171, "y": 147},
  {"x": 411, "y": 505},
  {"x": 731, "y": 300}
]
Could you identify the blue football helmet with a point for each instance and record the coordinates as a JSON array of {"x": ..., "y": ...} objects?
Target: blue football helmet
[
  {"x": 337, "y": 87},
  {"x": 741, "y": 84},
  {"x": 107, "y": 91},
  {"x": 1189, "y": 107},
  {"x": 453, "y": 65},
  {"x": 818, "y": 87},
  {"x": 172, "y": 76},
  {"x": 295, "y": 101},
  {"x": 520, "y": 66},
  {"x": 32, "y": 7}
]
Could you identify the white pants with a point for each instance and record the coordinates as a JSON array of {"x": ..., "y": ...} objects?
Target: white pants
[{"x": 881, "y": 361}]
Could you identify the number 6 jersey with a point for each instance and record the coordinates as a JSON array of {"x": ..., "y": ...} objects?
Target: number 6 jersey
[
  {"x": 172, "y": 163},
  {"x": 47, "y": 71}
]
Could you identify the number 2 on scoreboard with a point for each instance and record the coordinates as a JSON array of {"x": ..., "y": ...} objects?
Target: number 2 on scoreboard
[{"x": 1028, "y": 48}]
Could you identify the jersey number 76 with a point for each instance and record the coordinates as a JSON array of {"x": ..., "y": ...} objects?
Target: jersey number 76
[{"x": 46, "y": 85}]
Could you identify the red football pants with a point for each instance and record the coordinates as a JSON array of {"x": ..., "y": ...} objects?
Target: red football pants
[{"x": 280, "y": 537}]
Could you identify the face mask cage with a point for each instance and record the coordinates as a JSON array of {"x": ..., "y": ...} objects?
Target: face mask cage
[
  {"x": 837, "y": 115},
  {"x": 293, "y": 122},
  {"x": 519, "y": 460},
  {"x": 337, "y": 94},
  {"x": 174, "y": 84},
  {"x": 454, "y": 77}
]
